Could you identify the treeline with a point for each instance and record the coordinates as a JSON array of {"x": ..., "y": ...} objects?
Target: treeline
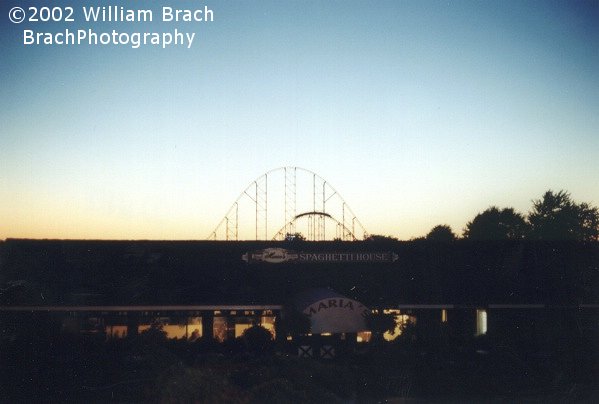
[{"x": 555, "y": 216}]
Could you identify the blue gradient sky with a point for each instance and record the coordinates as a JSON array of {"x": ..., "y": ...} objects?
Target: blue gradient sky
[{"x": 418, "y": 113}]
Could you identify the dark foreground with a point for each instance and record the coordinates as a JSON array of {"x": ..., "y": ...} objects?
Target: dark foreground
[{"x": 149, "y": 368}]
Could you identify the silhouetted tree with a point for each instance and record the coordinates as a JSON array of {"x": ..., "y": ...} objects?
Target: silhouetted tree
[
  {"x": 379, "y": 237},
  {"x": 441, "y": 233},
  {"x": 295, "y": 322},
  {"x": 557, "y": 217},
  {"x": 295, "y": 237},
  {"x": 257, "y": 339},
  {"x": 379, "y": 323},
  {"x": 153, "y": 335},
  {"x": 495, "y": 224}
]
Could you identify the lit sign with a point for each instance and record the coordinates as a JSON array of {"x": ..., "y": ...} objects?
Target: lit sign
[
  {"x": 337, "y": 315},
  {"x": 279, "y": 255},
  {"x": 272, "y": 255}
]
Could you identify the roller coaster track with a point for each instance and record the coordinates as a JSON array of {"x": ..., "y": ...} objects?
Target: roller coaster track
[{"x": 285, "y": 202}]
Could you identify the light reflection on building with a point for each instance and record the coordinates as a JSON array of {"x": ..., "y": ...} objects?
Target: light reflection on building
[
  {"x": 481, "y": 322},
  {"x": 401, "y": 321}
]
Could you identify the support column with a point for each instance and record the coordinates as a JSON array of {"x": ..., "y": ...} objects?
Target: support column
[
  {"x": 280, "y": 332},
  {"x": 132, "y": 324},
  {"x": 208, "y": 325},
  {"x": 230, "y": 327}
]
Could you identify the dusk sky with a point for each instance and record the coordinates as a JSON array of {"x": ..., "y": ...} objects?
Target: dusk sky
[{"x": 418, "y": 113}]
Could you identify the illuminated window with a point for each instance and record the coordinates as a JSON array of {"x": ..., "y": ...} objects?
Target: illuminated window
[
  {"x": 220, "y": 328},
  {"x": 194, "y": 329},
  {"x": 190, "y": 327},
  {"x": 481, "y": 322},
  {"x": 117, "y": 331},
  {"x": 240, "y": 328},
  {"x": 443, "y": 315},
  {"x": 268, "y": 322},
  {"x": 174, "y": 330}
]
